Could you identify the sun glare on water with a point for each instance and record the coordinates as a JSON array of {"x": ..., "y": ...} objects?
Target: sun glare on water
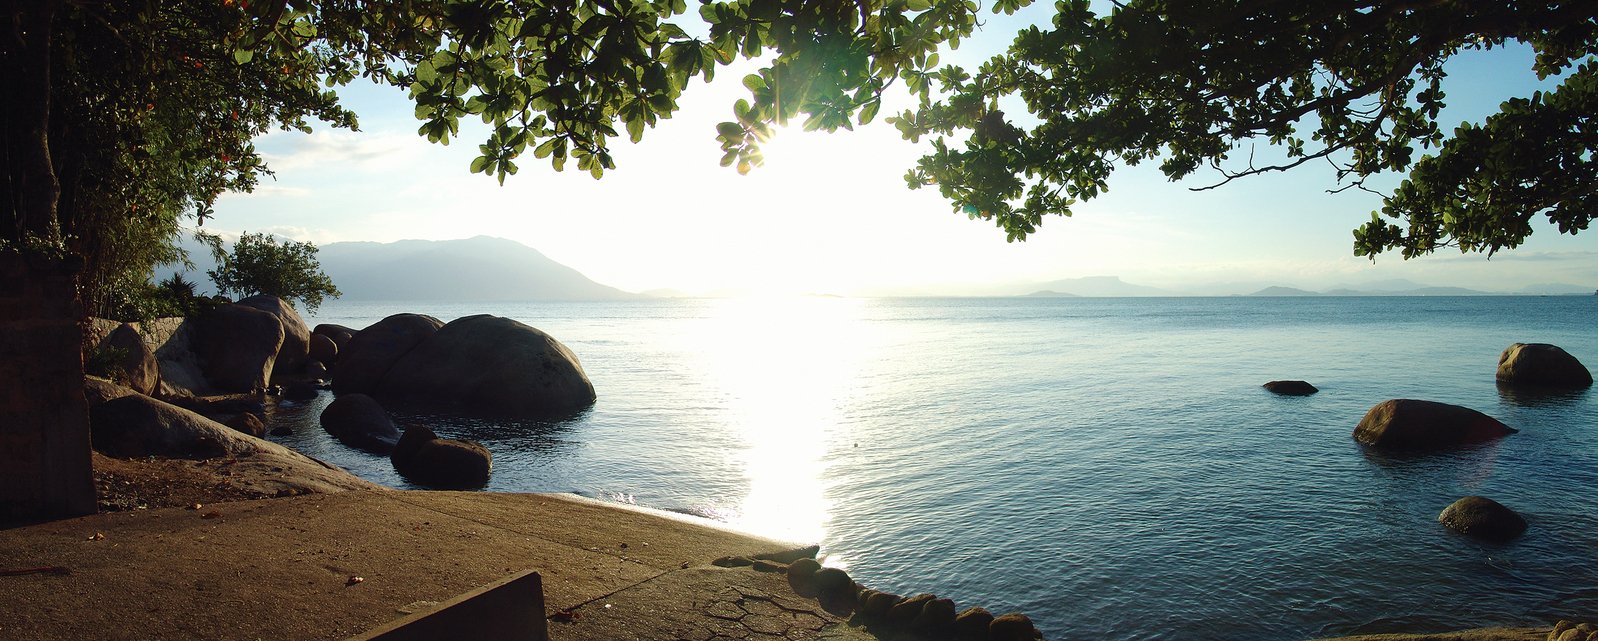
[{"x": 787, "y": 366}]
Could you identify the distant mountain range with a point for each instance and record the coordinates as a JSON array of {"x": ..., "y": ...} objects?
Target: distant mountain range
[
  {"x": 474, "y": 269},
  {"x": 1098, "y": 287}
]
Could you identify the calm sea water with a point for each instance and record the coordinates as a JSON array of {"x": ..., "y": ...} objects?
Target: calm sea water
[{"x": 1109, "y": 466}]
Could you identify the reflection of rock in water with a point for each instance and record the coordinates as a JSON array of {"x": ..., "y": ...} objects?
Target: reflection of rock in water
[{"x": 1539, "y": 396}]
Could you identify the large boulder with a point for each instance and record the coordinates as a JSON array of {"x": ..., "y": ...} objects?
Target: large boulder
[
  {"x": 1483, "y": 518},
  {"x": 1407, "y": 424},
  {"x": 182, "y": 373},
  {"x": 291, "y": 356},
  {"x": 494, "y": 366},
  {"x": 98, "y": 390},
  {"x": 135, "y": 362},
  {"x": 424, "y": 458},
  {"x": 1541, "y": 365},
  {"x": 238, "y": 345},
  {"x": 367, "y": 356},
  {"x": 323, "y": 349},
  {"x": 357, "y": 420},
  {"x": 138, "y": 426}
]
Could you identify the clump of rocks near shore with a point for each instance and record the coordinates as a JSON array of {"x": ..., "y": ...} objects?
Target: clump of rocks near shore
[{"x": 885, "y": 613}]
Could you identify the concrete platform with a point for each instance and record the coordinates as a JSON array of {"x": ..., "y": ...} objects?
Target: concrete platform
[{"x": 334, "y": 565}]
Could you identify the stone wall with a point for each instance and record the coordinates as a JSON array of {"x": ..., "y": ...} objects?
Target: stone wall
[{"x": 44, "y": 422}]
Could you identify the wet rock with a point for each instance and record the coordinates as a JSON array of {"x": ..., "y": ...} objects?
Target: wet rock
[
  {"x": 1013, "y": 627},
  {"x": 801, "y": 577},
  {"x": 972, "y": 624},
  {"x": 282, "y": 430},
  {"x": 367, "y": 357},
  {"x": 904, "y": 613},
  {"x": 1483, "y": 518},
  {"x": 248, "y": 424},
  {"x": 357, "y": 420},
  {"x": 424, "y": 458},
  {"x": 1541, "y": 365},
  {"x": 1291, "y": 388},
  {"x": 1406, "y": 424}
]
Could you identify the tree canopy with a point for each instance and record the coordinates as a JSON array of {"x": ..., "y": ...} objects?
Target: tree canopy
[
  {"x": 258, "y": 264},
  {"x": 125, "y": 118}
]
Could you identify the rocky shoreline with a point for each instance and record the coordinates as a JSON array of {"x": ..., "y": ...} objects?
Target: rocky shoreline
[{"x": 183, "y": 436}]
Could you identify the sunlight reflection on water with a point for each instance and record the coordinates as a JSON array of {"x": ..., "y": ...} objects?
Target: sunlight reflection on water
[{"x": 786, "y": 366}]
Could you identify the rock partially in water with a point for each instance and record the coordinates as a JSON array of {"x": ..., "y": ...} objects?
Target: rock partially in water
[
  {"x": 367, "y": 357},
  {"x": 357, "y": 420},
  {"x": 424, "y": 458},
  {"x": 1541, "y": 365},
  {"x": 905, "y": 612},
  {"x": 323, "y": 349},
  {"x": 1483, "y": 518},
  {"x": 1013, "y": 627},
  {"x": 489, "y": 366},
  {"x": 972, "y": 624},
  {"x": 1291, "y": 388},
  {"x": 1572, "y": 631},
  {"x": 1412, "y": 425},
  {"x": 247, "y": 423},
  {"x": 879, "y": 603},
  {"x": 937, "y": 616},
  {"x": 802, "y": 577}
]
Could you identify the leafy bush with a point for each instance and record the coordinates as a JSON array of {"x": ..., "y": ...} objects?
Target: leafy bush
[{"x": 259, "y": 265}]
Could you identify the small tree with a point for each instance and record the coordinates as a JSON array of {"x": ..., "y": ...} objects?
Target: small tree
[{"x": 259, "y": 265}]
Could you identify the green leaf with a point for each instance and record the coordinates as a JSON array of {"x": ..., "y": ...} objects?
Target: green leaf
[{"x": 243, "y": 56}]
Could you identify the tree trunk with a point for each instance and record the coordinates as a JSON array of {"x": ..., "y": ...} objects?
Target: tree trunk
[{"x": 44, "y": 423}]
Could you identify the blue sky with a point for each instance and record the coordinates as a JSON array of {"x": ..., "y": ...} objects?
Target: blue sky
[{"x": 829, "y": 213}]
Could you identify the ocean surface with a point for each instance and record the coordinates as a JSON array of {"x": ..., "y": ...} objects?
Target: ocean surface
[{"x": 1111, "y": 467}]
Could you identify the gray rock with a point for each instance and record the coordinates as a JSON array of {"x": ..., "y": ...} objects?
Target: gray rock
[
  {"x": 424, "y": 458},
  {"x": 357, "y": 420},
  {"x": 99, "y": 390},
  {"x": 1483, "y": 518},
  {"x": 486, "y": 365},
  {"x": 1407, "y": 424},
  {"x": 367, "y": 357},
  {"x": 1541, "y": 365}
]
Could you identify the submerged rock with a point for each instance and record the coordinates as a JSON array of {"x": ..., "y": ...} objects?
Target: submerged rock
[
  {"x": 1483, "y": 518},
  {"x": 1541, "y": 365},
  {"x": 1290, "y": 388},
  {"x": 1407, "y": 424}
]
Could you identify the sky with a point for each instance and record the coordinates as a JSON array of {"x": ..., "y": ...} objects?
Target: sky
[{"x": 830, "y": 213}]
